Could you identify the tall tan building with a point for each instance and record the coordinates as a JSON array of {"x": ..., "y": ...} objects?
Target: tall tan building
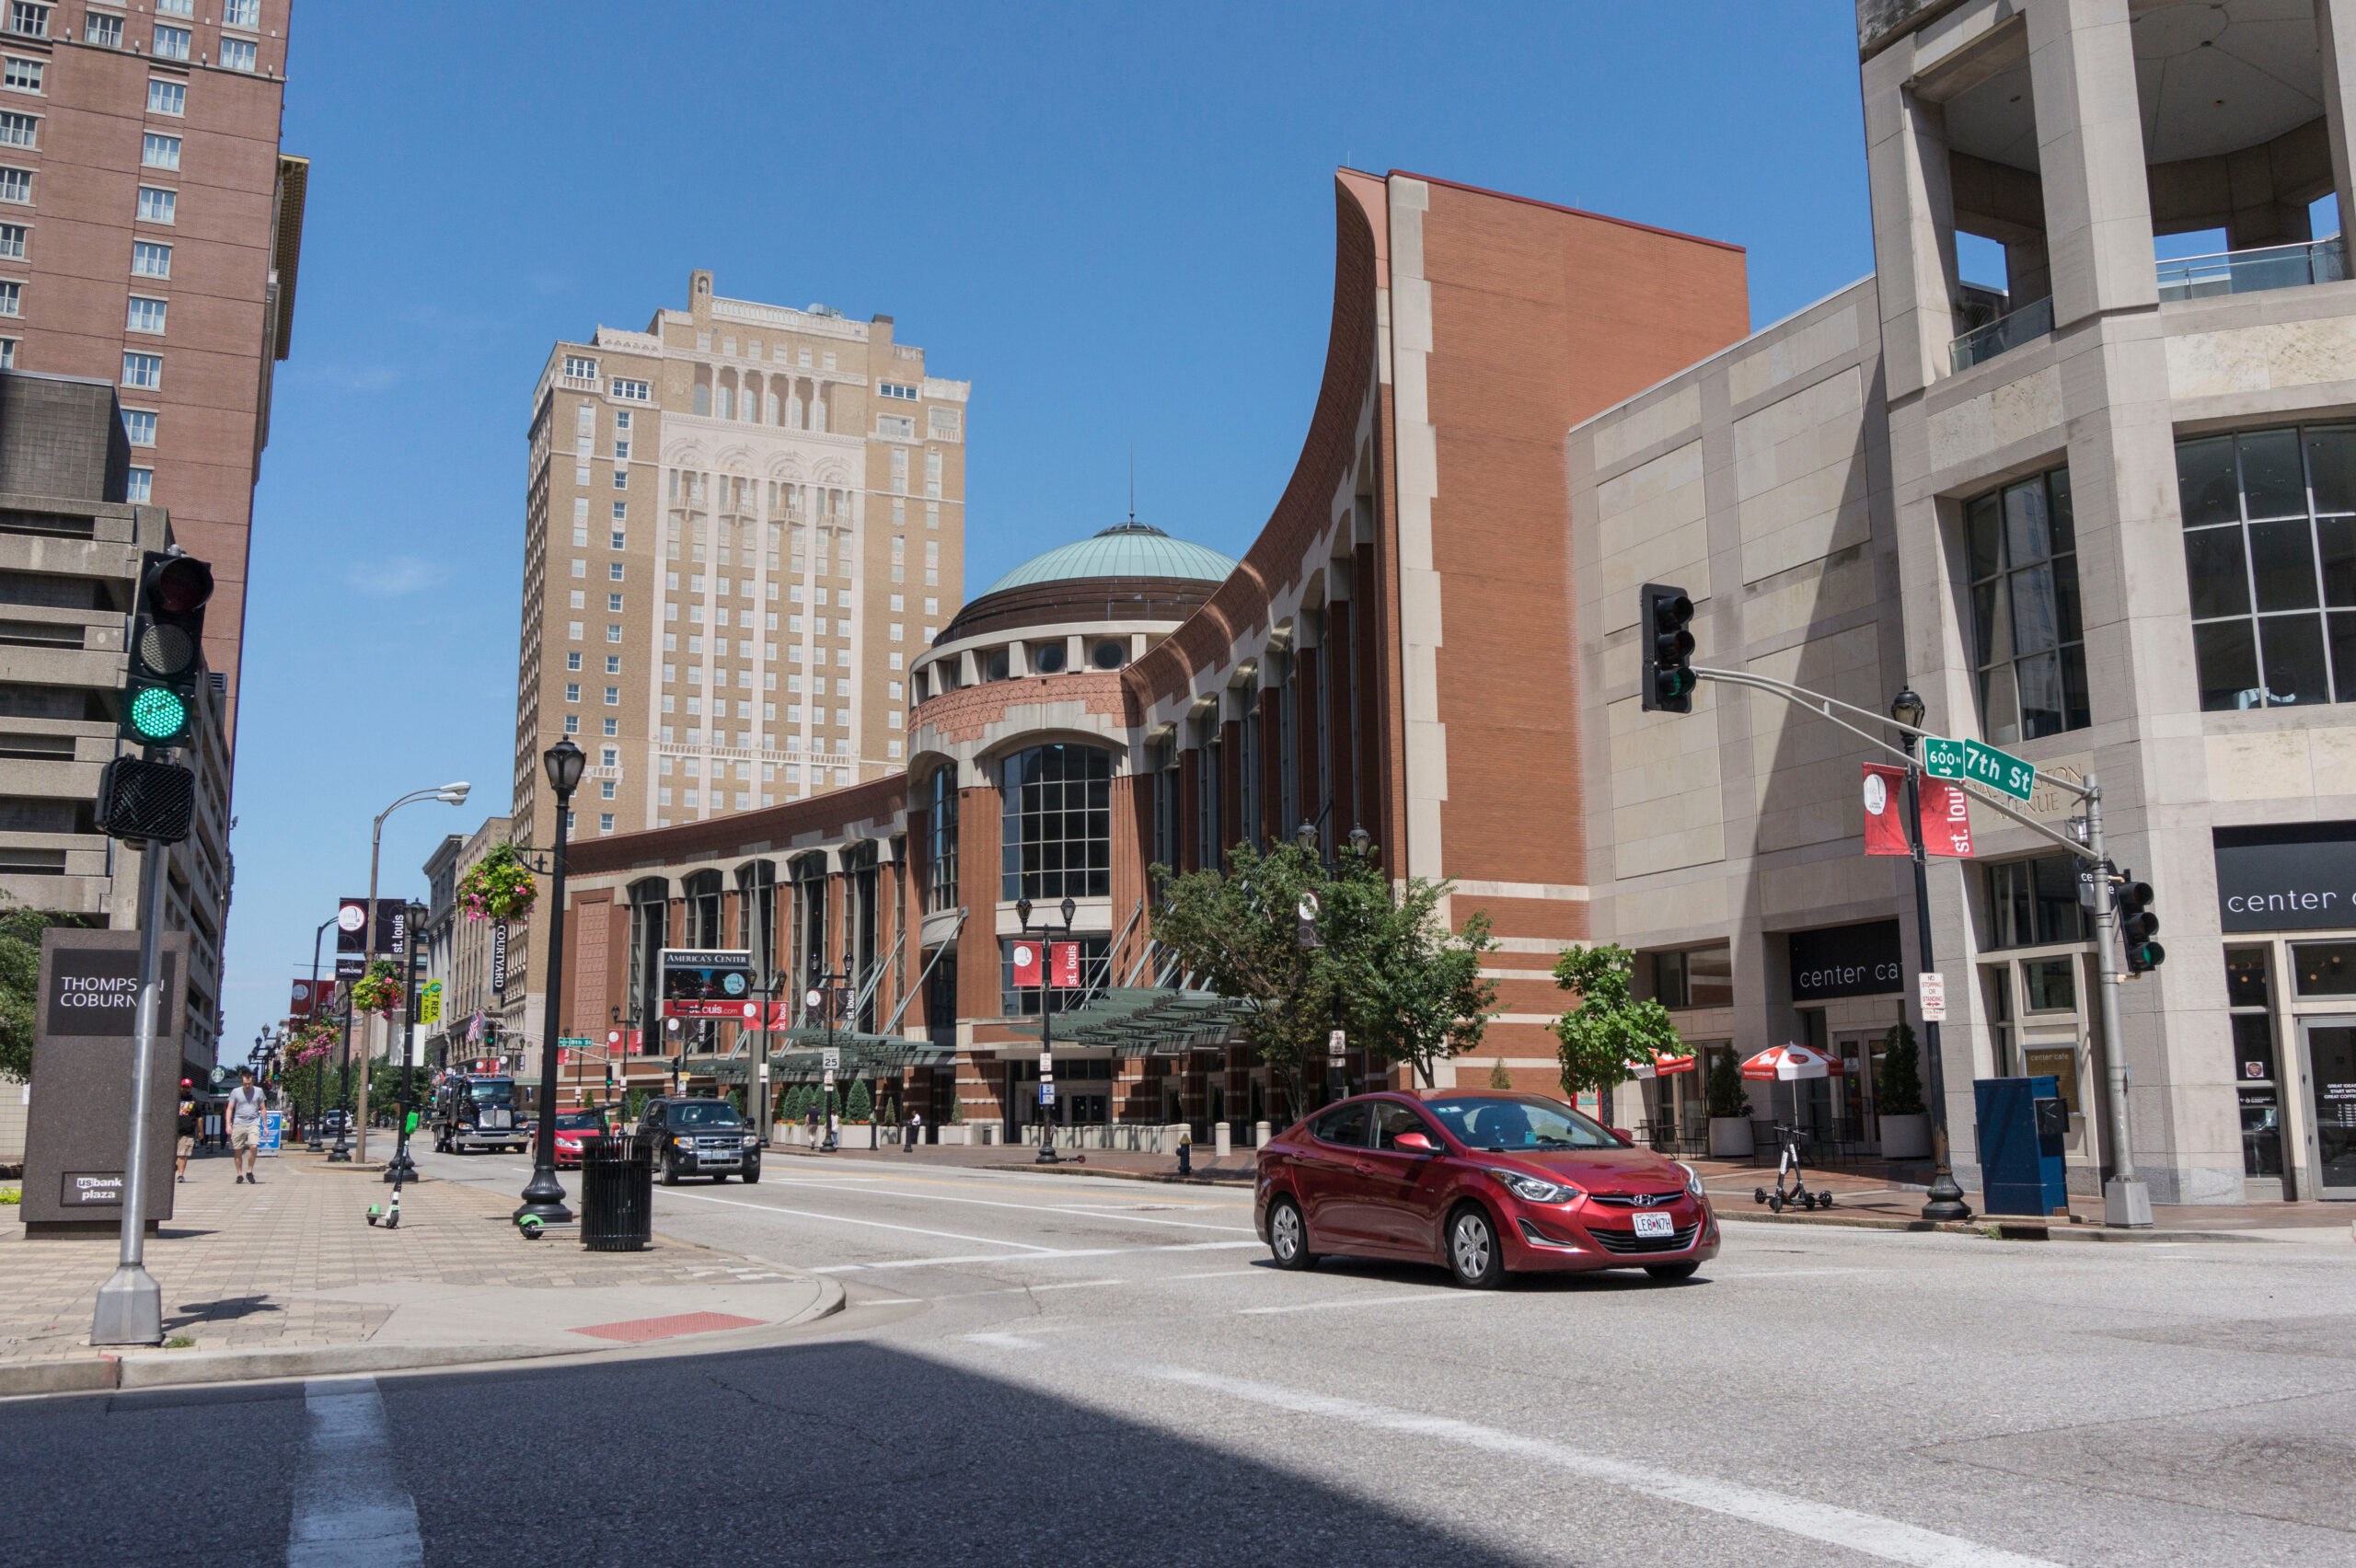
[
  {"x": 742, "y": 526},
  {"x": 149, "y": 230}
]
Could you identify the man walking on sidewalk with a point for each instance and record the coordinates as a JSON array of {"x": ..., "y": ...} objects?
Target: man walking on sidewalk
[
  {"x": 915, "y": 1131},
  {"x": 190, "y": 1123},
  {"x": 245, "y": 1123}
]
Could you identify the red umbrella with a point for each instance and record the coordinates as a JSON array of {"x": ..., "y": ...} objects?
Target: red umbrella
[
  {"x": 1660, "y": 1066},
  {"x": 1782, "y": 1063}
]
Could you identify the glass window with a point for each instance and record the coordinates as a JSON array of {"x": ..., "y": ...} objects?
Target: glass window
[
  {"x": 2050, "y": 984},
  {"x": 1057, "y": 836},
  {"x": 166, "y": 98},
  {"x": 171, "y": 43},
  {"x": 150, "y": 260},
  {"x": 102, "y": 29},
  {"x": 2325, "y": 969},
  {"x": 143, "y": 371},
  {"x": 146, "y": 315},
  {"x": 20, "y": 130},
  {"x": 2031, "y": 640},
  {"x": 1346, "y": 1126},
  {"x": 12, "y": 241},
  {"x": 1524, "y": 1121},
  {"x": 2034, "y": 903},
  {"x": 940, "y": 807},
  {"x": 237, "y": 54},
  {"x": 156, "y": 206},
  {"x": 139, "y": 424},
  {"x": 2269, "y": 557},
  {"x": 160, "y": 152},
  {"x": 1701, "y": 977},
  {"x": 1391, "y": 1118}
]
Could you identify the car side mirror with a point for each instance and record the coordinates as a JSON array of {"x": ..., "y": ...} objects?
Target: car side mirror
[
  {"x": 1627, "y": 1139},
  {"x": 1414, "y": 1143}
]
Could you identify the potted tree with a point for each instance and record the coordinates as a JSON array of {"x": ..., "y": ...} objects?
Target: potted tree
[
  {"x": 1905, "y": 1126},
  {"x": 1729, "y": 1108}
]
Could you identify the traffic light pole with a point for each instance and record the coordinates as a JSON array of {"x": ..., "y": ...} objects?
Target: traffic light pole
[
  {"x": 131, "y": 1304},
  {"x": 2126, "y": 1201}
]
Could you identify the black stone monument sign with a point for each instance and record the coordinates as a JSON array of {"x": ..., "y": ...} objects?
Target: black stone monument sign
[{"x": 85, "y": 1036}]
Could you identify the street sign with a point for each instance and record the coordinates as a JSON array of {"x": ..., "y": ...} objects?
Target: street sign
[
  {"x": 1934, "y": 997},
  {"x": 569, "y": 1042},
  {"x": 1999, "y": 771},
  {"x": 830, "y": 1060},
  {"x": 1943, "y": 758},
  {"x": 1338, "y": 1045},
  {"x": 1046, "y": 1092},
  {"x": 1046, "y": 1063}
]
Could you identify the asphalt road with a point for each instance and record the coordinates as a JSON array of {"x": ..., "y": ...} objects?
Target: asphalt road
[{"x": 1045, "y": 1369}]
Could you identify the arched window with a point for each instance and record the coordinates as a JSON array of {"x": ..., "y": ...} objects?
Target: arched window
[
  {"x": 649, "y": 912},
  {"x": 938, "y": 803},
  {"x": 1057, "y": 835},
  {"x": 810, "y": 918},
  {"x": 757, "y": 896},
  {"x": 863, "y": 927},
  {"x": 702, "y": 891}
]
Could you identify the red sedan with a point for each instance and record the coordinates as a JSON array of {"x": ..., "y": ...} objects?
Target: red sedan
[
  {"x": 571, "y": 1126},
  {"x": 1482, "y": 1184}
]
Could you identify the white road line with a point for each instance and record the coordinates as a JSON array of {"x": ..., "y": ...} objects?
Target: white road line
[
  {"x": 350, "y": 1511},
  {"x": 870, "y": 1224},
  {"x": 1002, "y": 1342},
  {"x": 1721, "y": 1274},
  {"x": 1220, "y": 1274},
  {"x": 1039, "y": 1255},
  {"x": 1025, "y": 1208},
  {"x": 1888, "y": 1540},
  {"x": 1447, "y": 1296}
]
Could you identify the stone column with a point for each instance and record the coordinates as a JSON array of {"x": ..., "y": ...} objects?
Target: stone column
[
  {"x": 1913, "y": 208},
  {"x": 2090, "y": 157},
  {"x": 2336, "y": 49}
]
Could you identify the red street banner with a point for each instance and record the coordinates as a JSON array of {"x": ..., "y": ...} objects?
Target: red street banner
[
  {"x": 638, "y": 1042},
  {"x": 1885, "y": 816},
  {"x": 301, "y": 1006},
  {"x": 1065, "y": 964},
  {"x": 1946, "y": 820},
  {"x": 1026, "y": 964}
]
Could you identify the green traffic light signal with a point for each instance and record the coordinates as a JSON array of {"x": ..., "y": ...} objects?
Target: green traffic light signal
[
  {"x": 159, "y": 716},
  {"x": 158, "y": 703}
]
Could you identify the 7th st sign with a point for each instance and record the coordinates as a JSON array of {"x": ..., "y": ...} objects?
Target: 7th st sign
[{"x": 1985, "y": 765}]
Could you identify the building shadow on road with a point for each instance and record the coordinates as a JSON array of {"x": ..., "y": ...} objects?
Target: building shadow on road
[{"x": 854, "y": 1452}]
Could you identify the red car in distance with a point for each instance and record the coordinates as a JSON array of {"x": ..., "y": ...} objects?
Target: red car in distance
[
  {"x": 1484, "y": 1185},
  {"x": 571, "y": 1126}
]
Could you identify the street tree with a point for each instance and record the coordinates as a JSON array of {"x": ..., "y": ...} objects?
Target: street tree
[
  {"x": 1600, "y": 1040},
  {"x": 1412, "y": 988},
  {"x": 20, "y": 931}
]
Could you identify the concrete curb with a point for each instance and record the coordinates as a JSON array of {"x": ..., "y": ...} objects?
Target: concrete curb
[{"x": 155, "y": 1369}]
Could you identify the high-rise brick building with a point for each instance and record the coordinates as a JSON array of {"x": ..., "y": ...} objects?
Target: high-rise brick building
[{"x": 149, "y": 229}]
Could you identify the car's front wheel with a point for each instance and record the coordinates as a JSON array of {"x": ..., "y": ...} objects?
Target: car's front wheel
[
  {"x": 1474, "y": 1255},
  {"x": 1288, "y": 1236},
  {"x": 1669, "y": 1274},
  {"x": 752, "y": 1175},
  {"x": 670, "y": 1169}
]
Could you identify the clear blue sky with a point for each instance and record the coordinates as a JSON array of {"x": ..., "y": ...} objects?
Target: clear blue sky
[{"x": 1116, "y": 222}]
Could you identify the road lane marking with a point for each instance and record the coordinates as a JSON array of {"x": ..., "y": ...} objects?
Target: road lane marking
[
  {"x": 1002, "y": 1342},
  {"x": 1375, "y": 1301},
  {"x": 871, "y": 1190},
  {"x": 870, "y": 1224},
  {"x": 1032, "y": 1257},
  {"x": 1218, "y": 1273},
  {"x": 1721, "y": 1274},
  {"x": 1888, "y": 1540},
  {"x": 351, "y": 1511}
]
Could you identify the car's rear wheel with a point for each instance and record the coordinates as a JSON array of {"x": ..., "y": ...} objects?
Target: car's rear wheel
[
  {"x": 1474, "y": 1255},
  {"x": 1288, "y": 1236},
  {"x": 1669, "y": 1274},
  {"x": 670, "y": 1169}
]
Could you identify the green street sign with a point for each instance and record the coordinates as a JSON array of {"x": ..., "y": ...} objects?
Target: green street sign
[
  {"x": 1942, "y": 758},
  {"x": 567, "y": 1042},
  {"x": 1999, "y": 771}
]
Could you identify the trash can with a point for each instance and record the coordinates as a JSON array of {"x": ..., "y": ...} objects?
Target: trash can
[{"x": 617, "y": 1197}]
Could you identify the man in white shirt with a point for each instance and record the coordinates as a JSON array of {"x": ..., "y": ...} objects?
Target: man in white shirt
[{"x": 245, "y": 1123}]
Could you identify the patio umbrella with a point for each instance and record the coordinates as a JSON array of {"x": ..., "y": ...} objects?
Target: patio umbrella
[
  {"x": 1784, "y": 1064},
  {"x": 1657, "y": 1066}
]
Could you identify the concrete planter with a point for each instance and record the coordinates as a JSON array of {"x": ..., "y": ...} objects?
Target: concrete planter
[
  {"x": 957, "y": 1133},
  {"x": 1730, "y": 1138},
  {"x": 1906, "y": 1137}
]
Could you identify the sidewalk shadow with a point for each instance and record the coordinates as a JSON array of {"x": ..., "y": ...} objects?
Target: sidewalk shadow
[{"x": 229, "y": 1309}]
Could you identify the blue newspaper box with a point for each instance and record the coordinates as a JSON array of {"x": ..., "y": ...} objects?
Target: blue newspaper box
[{"x": 2022, "y": 1120}]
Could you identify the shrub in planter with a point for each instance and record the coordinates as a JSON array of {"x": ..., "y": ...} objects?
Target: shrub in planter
[
  {"x": 1729, "y": 1108},
  {"x": 1905, "y": 1125},
  {"x": 498, "y": 887},
  {"x": 861, "y": 1106}
]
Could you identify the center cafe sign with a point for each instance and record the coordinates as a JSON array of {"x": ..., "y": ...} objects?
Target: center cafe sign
[{"x": 2297, "y": 877}]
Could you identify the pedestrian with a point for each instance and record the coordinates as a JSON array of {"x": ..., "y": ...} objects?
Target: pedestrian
[
  {"x": 814, "y": 1123},
  {"x": 245, "y": 1125},
  {"x": 916, "y": 1131},
  {"x": 190, "y": 1123}
]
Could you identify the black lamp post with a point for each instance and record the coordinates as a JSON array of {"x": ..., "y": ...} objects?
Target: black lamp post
[
  {"x": 824, "y": 996},
  {"x": 544, "y": 1196},
  {"x": 402, "y": 1167},
  {"x": 1945, "y": 1199},
  {"x": 1047, "y": 1155}
]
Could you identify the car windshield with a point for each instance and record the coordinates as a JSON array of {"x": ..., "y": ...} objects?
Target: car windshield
[
  {"x": 493, "y": 1093},
  {"x": 1524, "y": 1121},
  {"x": 579, "y": 1121},
  {"x": 706, "y": 1113}
]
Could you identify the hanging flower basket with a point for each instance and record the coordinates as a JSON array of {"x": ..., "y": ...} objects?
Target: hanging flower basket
[
  {"x": 377, "y": 991},
  {"x": 498, "y": 887}
]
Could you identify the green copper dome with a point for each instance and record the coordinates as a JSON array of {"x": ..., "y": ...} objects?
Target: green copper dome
[{"x": 1125, "y": 550}]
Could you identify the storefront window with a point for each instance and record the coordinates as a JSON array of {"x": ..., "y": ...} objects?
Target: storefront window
[
  {"x": 2049, "y": 984},
  {"x": 2248, "y": 995},
  {"x": 938, "y": 803},
  {"x": 2030, "y": 649},
  {"x": 2034, "y": 903},
  {"x": 2325, "y": 969},
  {"x": 2271, "y": 558},
  {"x": 1698, "y": 977},
  {"x": 1057, "y": 837}
]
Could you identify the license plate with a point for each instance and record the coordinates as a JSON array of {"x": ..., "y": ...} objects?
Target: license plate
[{"x": 1656, "y": 1225}]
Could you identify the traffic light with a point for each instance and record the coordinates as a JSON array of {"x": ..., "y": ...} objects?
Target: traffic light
[
  {"x": 141, "y": 802},
  {"x": 1663, "y": 620},
  {"x": 167, "y": 650},
  {"x": 2138, "y": 924}
]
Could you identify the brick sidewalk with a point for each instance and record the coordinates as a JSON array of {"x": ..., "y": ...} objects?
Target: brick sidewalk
[{"x": 245, "y": 1267}]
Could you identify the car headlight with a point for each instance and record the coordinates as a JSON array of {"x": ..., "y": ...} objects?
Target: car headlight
[
  {"x": 684, "y": 1143},
  {"x": 1532, "y": 1189},
  {"x": 750, "y": 1141},
  {"x": 1693, "y": 1179}
]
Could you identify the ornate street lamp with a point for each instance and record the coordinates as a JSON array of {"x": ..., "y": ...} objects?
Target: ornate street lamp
[
  {"x": 402, "y": 1167},
  {"x": 544, "y": 1195},
  {"x": 1047, "y": 1155},
  {"x": 1945, "y": 1199}
]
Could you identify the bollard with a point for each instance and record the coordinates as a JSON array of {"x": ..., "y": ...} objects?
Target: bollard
[
  {"x": 1259, "y": 1135},
  {"x": 1185, "y": 1154},
  {"x": 1224, "y": 1143}
]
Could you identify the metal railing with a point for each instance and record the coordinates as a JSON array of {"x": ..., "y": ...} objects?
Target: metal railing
[
  {"x": 2250, "y": 271},
  {"x": 2031, "y": 321}
]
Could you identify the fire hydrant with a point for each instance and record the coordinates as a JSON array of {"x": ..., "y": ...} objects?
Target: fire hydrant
[{"x": 1185, "y": 1154}]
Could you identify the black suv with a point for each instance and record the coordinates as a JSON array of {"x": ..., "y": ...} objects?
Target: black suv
[{"x": 697, "y": 1137}]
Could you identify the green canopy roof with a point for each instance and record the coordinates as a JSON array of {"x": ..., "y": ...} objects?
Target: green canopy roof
[{"x": 1125, "y": 550}]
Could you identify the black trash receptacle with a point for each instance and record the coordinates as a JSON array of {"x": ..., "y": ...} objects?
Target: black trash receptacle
[{"x": 617, "y": 1197}]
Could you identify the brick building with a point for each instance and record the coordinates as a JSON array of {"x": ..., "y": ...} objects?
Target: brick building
[{"x": 1390, "y": 653}]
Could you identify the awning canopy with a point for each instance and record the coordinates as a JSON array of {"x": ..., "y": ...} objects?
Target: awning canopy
[
  {"x": 1135, "y": 1021},
  {"x": 799, "y": 1060}
]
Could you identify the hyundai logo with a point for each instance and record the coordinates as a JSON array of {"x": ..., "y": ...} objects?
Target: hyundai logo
[{"x": 1647, "y": 1200}]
